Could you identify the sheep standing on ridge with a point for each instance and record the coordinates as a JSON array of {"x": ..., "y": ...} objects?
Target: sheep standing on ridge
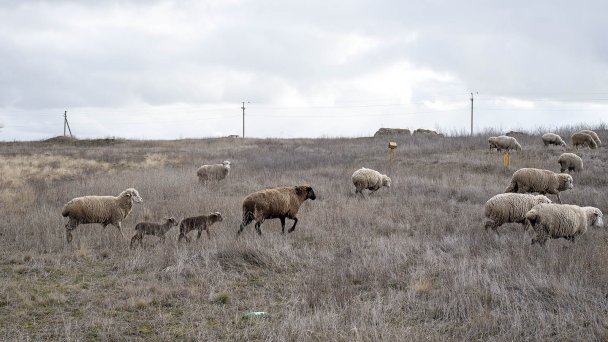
[
  {"x": 553, "y": 139},
  {"x": 274, "y": 203},
  {"x": 199, "y": 223},
  {"x": 593, "y": 135},
  {"x": 151, "y": 228},
  {"x": 507, "y": 208},
  {"x": 583, "y": 139},
  {"x": 541, "y": 181},
  {"x": 215, "y": 172},
  {"x": 369, "y": 179},
  {"x": 570, "y": 162},
  {"x": 99, "y": 209},
  {"x": 561, "y": 221},
  {"x": 504, "y": 142}
]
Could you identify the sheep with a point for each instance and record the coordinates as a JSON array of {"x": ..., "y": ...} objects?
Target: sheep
[
  {"x": 593, "y": 135},
  {"x": 99, "y": 209},
  {"x": 504, "y": 142},
  {"x": 561, "y": 221},
  {"x": 199, "y": 223},
  {"x": 369, "y": 179},
  {"x": 151, "y": 228},
  {"x": 507, "y": 208},
  {"x": 541, "y": 181},
  {"x": 570, "y": 162},
  {"x": 553, "y": 139},
  {"x": 213, "y": 172},
  {"x": 274, "y": 203},
  {"x": 583, "y": 139}
]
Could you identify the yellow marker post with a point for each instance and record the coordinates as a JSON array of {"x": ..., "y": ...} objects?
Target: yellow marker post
[
  {"x": 506, "y": 160},
  {"x": 392, "y": 146}
]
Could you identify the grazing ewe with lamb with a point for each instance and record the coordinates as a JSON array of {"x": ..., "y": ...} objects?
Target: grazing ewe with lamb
[
  {"x": 215, "y": 172},
  {"x": 541, "y": 181},
  {"x": 151, "y": 228},
  {"x": 561, "y": 221},
  {"x": 274, "y": 203},
  {"x": 508, "y": 208},
  {"x": 369, "y": 179},
  {"x": 593, "y": 135},
  {"x": 583, "y": 139},
  {"x": 570, "y": 162},
  {"x": 99, "y": 209},
  {"x": 199, "y": 223}
]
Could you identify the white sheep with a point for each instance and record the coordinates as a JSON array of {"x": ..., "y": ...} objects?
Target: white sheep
[
  {"x": 99, "y": 209},
  {"x": 583, "y": 139},
  {"x": 541, "y": 181},
  {"x": 213, "y": 172},
  {"x": 570, "y": 162},
  {"x": 369, "y": 179},
  {"x": 508, "y": 208},
  {"x": 561, "y": 221},
  {"x": 553, "y": 139},
  {"x": 504, "y": 142}
]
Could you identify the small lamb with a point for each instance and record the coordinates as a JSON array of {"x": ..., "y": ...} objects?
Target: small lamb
[
  {"x": 199, "y": 223},
  {"x": 151, "y": 228}
]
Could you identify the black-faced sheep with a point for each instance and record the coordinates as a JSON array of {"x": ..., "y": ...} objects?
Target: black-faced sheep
[
  {"x": 99, "y": 209},
  {"x": 504, "y": 142},
  {"x": 199, "y": 223},
  {"x": 152, "y": 228},
  {"x": 274, "y": 203},
  {"x": 214, "y": 172},
  {"x": 553, "y": 139},
  {"x": 369, "y": 179},
  {"x": 593, "y": 135},
  {"x": 541, "y": 181},
  {"x": 583, "y": 139},
  {"x": 561, "y": 221},
  {"x": 570, "y": 162},
  {"x": 510, "y": 208}
]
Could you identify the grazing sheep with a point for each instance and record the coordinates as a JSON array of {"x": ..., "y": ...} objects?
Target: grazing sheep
[
  {"x": 99, "y": 209},
  {"x": 593, "y": 135},
  {"x": 199, "y": 223},
  {"x": 561, "y": 221},
  {"x": 151, "y": 228},
  {"x": 553, "y": 139},
  {"x": 570, "y": 162},
  {"x": 369, "y": 179},
  {"x": 213, "y": 172},
  {"x": 541, "y": 181},
  {"x": 507, "y": 208},
  {"x": 583, "y": 139},
  {"x": 504, "y": 142},
  {"x": 278, "y": 203}
]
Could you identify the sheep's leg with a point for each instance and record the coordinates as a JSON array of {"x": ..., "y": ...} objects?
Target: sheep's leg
[
  {"x": 295, "y": 221},
  {"x": 133, "y": 240},
  {"x": 282, "y": 225},
  {"x": 559, "y": 200},
  {"x": 200, "y": 232},
  {"x": 208, "y": 233},
  {"x": 119, "y": 226},
  {"x": 257, "y": 227}
]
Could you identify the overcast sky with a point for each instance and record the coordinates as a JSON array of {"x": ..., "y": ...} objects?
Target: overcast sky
[{"x": 176, "y": 69}]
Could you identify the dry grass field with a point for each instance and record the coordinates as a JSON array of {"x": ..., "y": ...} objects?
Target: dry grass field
[{"x": 412, "y": 262}]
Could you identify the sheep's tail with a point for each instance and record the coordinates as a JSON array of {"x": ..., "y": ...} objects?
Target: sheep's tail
[
  {"x": 512, "y": 187},
  {"x": 247, "y": 218}
]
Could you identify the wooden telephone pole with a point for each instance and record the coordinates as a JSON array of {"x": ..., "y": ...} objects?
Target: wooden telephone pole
[{"x": 66, "y": 124}]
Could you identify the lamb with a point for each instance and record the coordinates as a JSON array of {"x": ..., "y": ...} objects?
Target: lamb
[
  {"x": 570, "y": 162},
  {"x": 199, "y": 223},
  {"x": 561, "y": 221},
  {"x": 541, "y": 181},
  {"x": 99, "y": 209},
  {"x": 273, "y": 203},
  {"x": 151, "y": 228},
  {"x": 369, "y": 179},
  {"x": 553, "y": 139},
  {"x": 215, "y": 172},
  {"x": 507, "y": 208},
  {"x": 583, "y": 139},
  {"x": 593, "y": 135},
  {"x": 504, "y": 142}
]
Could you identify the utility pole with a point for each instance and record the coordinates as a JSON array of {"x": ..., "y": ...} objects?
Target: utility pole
[
  {"x": 66, "y": 124},
  {"x": 243, "y": 108},
  {"x": 472, "y": 112}
]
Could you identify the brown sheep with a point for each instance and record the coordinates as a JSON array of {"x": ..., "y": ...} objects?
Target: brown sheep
[
  {"x": 199, "y": 223},
  {"x": 274, "y": 203},
  {"x": 152, "y": 228}
]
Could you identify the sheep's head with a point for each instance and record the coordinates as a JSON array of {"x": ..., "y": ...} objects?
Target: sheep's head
[
  {"x": 171, "y": 220},
  {"x": 132, "y": 195},
  {"x": 386, "y": 181},
  {"x": 595, "y": 216},
  {"x": 538, "y": 199},
  {"x": 565, "y": 182},
  {"x": 307, "y": 191},
  {"x": 226, "y": 164},
  {"x": 517, "y": 146},
  {"x": 216, "y": 216}
]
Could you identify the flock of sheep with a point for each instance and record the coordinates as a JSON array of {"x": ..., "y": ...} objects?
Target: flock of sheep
[
  {"x": 516, "y": 205},
  {"x": 547, "y": 219}
]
